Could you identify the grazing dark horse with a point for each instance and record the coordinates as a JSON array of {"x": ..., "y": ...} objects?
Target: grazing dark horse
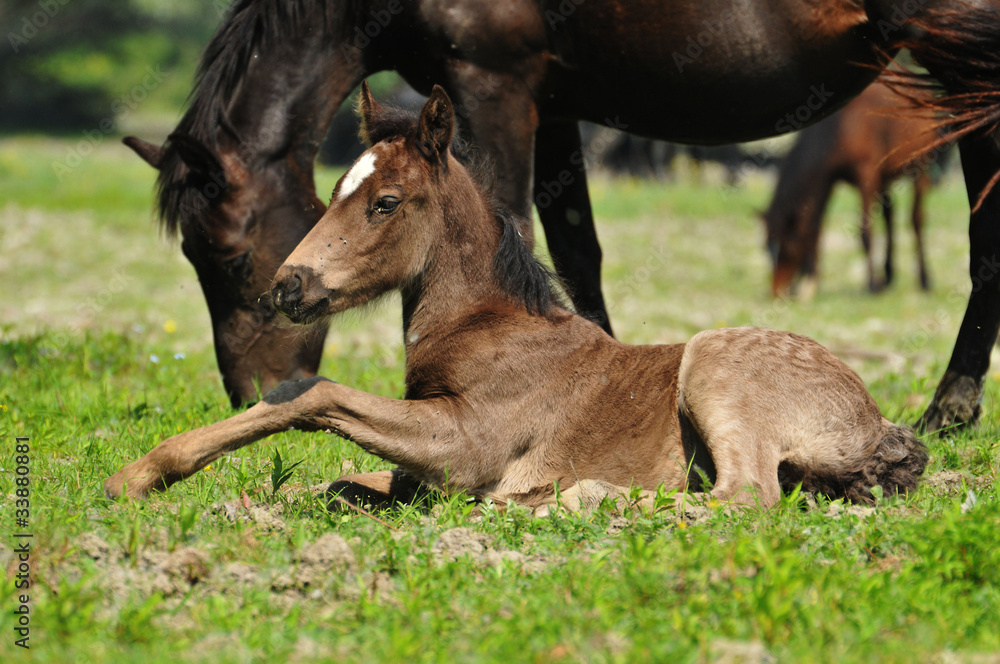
[
  {"x": 870, "y": 143},
  {"x": 236, "y": 179},
  {"x": 508, "y": 394}
]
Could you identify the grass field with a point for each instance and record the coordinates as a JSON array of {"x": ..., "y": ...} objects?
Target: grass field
[{"x": 105, "y": 349}]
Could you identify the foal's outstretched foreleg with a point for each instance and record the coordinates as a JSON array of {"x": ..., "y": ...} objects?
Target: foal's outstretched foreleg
[
  {"x": 421, "y": 436},
  {"x": 185, "y": 454}
]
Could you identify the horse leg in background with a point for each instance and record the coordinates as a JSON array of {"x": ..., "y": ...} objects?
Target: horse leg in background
[
  {"x": 867, "y": 198},
  {"x": 808, "y": 267},
  {"x": 564, "y": 208},
  {"x": 885, "y": 200},
  {"x": 920, "y": 185},
  {"x": 499, "y": 112},
  {"x": 959, "y": 395}
]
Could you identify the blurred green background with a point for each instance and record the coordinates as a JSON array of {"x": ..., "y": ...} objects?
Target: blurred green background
[{"x": 71, "y": 65}]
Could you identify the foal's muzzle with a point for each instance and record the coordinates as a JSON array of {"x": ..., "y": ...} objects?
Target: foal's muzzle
[
  {"x": 287, "y": 294},
  {"x": 291, "y": 295}
]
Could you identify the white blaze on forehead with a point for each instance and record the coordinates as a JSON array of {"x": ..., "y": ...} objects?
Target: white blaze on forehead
[{"x": 363, "y": 167}]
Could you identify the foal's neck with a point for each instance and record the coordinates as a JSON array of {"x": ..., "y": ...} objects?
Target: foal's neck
[{"x": 458, "y": 278}]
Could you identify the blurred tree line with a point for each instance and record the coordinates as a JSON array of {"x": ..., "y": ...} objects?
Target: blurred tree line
[{"x": 67, "y": 64}]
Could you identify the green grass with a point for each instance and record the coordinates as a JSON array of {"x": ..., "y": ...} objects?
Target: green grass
[{"x": 97, "y": 386}]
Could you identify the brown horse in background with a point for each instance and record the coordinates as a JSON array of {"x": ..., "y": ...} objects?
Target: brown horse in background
[
  {"x": 510, "y": 396},
  {"x": 236, "y": 175},
  {"x": 872, "y": 142}
]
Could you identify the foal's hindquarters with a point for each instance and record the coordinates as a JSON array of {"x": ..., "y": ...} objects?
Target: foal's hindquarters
[{"x": 762, "y": 410}]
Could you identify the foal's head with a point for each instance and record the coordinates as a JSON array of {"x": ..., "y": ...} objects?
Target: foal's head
[{"x": 386, "y": 215}]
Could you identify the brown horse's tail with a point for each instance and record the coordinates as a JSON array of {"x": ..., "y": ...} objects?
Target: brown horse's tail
[
  {"x": 896, "y": 465},
  {"x": 959, "y": 45}
]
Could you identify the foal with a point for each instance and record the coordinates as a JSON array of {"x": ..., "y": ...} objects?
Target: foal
[{"x": 509, "y": 394}]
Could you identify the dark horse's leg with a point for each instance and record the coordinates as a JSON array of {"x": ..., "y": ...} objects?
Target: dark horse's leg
[
  {"x": 958, "y": 399},
  {"x": 560, "y": 194}
]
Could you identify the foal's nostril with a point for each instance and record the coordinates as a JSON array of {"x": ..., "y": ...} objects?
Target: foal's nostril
[{"x": 287, "y": 294}]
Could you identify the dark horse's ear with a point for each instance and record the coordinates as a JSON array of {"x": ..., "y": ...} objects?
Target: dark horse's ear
[
  {"x": 151, "y": 154},
  {"x": 437, "y": 122},
  {"x": 368, "y": 111},
  {"x": 197, "y": 156}
]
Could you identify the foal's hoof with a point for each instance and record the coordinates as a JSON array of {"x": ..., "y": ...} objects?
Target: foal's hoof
[{"x": 114, "y": 486}]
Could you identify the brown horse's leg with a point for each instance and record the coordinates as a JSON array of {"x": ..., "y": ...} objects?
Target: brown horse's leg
[
  {"x": 958, "y": 399},
  {"x": 564, "y": 208},
  {"x": 867, "y": 198},
  {"x": 420, "y": 434},
  {"x": 378, "y": 490},
  {"x": 885, "y": 200},
  {"x": 920, "y": 184}
]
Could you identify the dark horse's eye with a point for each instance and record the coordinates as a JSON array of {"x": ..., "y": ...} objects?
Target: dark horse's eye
[{"x": 386, "y": 205}]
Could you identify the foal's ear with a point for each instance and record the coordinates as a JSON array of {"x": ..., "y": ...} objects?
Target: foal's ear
[
  {"x": 437, "y": 122},
  {"x": 197, "y": 156},
  {"x": 151, "y": 154},
  {"x": 368, "y": 110}
]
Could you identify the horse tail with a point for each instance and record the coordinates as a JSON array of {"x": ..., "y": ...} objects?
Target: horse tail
[
  {"x": 959, "y": 46},
  {"x": 896, "y": 464}
]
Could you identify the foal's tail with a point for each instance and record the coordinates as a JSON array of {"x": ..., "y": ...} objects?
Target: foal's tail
[
  {"x": 959, "y": 45},
  {"x": 896, "y": 464}
]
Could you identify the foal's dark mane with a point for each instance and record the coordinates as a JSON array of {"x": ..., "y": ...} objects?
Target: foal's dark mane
[
  {"x": 518, "y": 273},
  {"x": 249, "y": 26}
]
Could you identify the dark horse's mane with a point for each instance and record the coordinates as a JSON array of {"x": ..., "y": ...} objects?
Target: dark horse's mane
[
  {"x": 517, "y": 271},
  {"x": 249, "y": 26}
]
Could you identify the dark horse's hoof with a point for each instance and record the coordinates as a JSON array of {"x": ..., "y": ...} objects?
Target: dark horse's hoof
[{"x": 957, "y": 403}]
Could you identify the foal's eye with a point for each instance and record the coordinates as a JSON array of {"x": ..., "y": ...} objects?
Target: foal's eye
[{"x": 386, "y": 205}]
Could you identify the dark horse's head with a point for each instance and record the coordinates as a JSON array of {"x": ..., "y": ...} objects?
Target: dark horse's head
[
  {"x": 238, "y": 223},
  {"x": 236, "y": 178}
]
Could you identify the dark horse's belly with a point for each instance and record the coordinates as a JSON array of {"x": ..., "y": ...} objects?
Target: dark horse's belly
[{"x": 698, "y": 71}]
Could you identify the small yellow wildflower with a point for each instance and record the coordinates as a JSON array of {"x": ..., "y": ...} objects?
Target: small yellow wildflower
[
  {"x": 682, "y": 524},
  {"x": 170, "y": 326}
]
